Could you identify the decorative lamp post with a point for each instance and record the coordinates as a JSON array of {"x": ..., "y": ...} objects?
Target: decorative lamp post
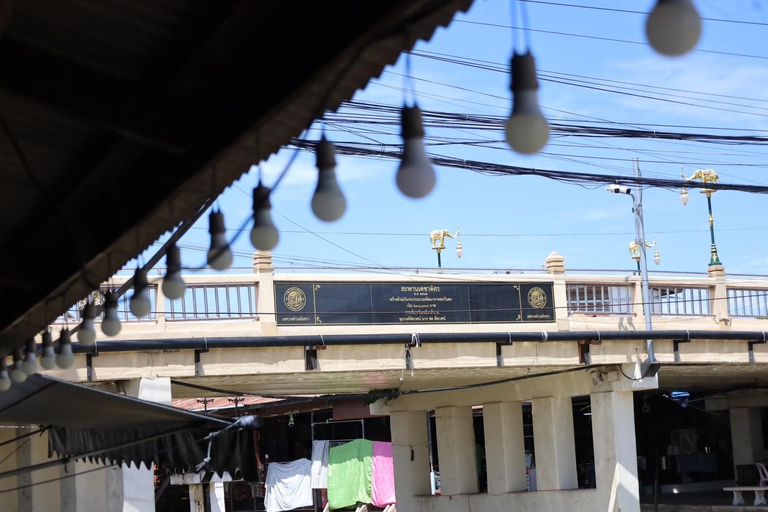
[
  {"x": 634, "y": 250},
  {"x": 437, "y": 238},
  {"x": 708, "y": 176}
]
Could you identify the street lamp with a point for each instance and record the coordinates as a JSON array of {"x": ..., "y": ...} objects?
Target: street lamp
[
  {"x": 706, "y": 176},
  {"x": 634, "y": 250},
  {"x": 637, "y": 209},
  {"x": 437, "y": 238}
]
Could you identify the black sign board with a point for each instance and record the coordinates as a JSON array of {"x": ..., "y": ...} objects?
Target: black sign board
[{"x": 413, "y": 303}]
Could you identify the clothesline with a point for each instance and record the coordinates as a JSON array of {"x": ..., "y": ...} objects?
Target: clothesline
[{"x": 358, "y": 472}]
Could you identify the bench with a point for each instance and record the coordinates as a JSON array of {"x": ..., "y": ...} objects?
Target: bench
[{"x": 738, "y": 499}]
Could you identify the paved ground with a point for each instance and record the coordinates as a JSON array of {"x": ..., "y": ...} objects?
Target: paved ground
[{"x": 699, "y": 502}]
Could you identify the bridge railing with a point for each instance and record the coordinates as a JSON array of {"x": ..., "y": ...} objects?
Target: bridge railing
[
  {"x": 213, "y": 302},
  {"x": 680, "y": 300},
  {"x": 602, "y": 299},
  {"x": 748, "y": 302}
]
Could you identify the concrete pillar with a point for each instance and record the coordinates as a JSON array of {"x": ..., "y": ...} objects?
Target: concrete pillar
[
  {"x": 554, "y": 443},
  {"x": 113, "y": 488},
  {"x": 719, "y": 296},
  {"x": 637, "y": 300},
  {"x": 265, "y": 292},
  {"x": 410, "y": 456},
  {"x": 613, "y": 431},
  {"x": 8, "y": 499},
  {"x": 215, "y": 497},
  {"x": 45, "y": 494},
  {"x": 456, "y": 450},
  {"x": 747, "y": 436},
  {"x": 504, "y": 447},
  {"x": 35, "y": 491},
  {"x": 159, "y": 305},
  {"x": 555, "y": 265}
]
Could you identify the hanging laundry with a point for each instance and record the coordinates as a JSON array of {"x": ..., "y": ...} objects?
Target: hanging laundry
[
  {"x": 319, "y": 471},
  {"x": 350, "y": 468},
  {"x": 383, "y": 481},
  {"x": 288, "y": 485}
]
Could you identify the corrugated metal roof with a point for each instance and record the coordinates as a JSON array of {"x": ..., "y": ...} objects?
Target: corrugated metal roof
[
  {"x": 136, "y": 40},
  {"x": 60, "y": 150},
  {"x": 207, "y": 56}
]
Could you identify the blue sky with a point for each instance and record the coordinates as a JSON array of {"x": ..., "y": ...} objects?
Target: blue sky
[{"x": 515, "y": 222}]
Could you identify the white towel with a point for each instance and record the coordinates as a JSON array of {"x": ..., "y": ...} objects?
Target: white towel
[
  {"x": 288, "y": 485},
  {"x": 319, "y": 470}
]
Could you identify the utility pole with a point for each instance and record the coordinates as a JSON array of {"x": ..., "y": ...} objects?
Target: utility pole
[
  {"x": 638, "y": 254},
  {"x": 640, "y": 235}
]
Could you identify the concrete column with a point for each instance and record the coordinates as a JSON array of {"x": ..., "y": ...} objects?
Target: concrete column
[
  {"x": 159, "y": 305},
  {"x": 719, "y": 296},
  {"x": 8, "y": 499},
  {"x": 613, "y": 431},
  {"x": 747, "y": 436},
  {"x": 23, "y": 459},
  {"x": 456, "y": 450},
  {"x": 265, "y": 292},
  {"x": 504, "y": 447},
  {"x": 45, "y": 494},
  {"x": 637, "y": 300},
  {"x": 410, "y": 454},
  {"x": 215, "y": 496},
  {"x": 554, "y": 443},
  {"x": 35, "y": 491},
  {"x": 114, "y": 489},
  {"x": 555, "y": 265}
]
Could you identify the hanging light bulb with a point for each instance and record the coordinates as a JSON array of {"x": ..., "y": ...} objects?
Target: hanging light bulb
[
  {"x": 328, "y": 203},
  {"x": 111, "y": 323},
  {"x": 29, "y": 366},
  {"x": 264, "y": 235},
  {"x": 173, "y": 284},
  {"x": 219, "y": 255},
  {"x": 86, "y": 334},
  {"x": 684, "y": 197},
  {"x": 657, "y": 257},
  {"x": 459, "y": 249},
  {"x": 416, "y": 177},
  {"x": 5, "y": 379},
  {"x": 527, "y": 129},
  {"x": 673, "y": 27},
  {"x": 65, "y": 358},
  {"x": 141, "y": 300},
  {"x": 48, "y": 357},
  {"x": 18, "y": 375}
]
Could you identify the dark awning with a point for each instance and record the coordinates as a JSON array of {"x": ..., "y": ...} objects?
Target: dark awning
[{"x": 90, "y": 423}]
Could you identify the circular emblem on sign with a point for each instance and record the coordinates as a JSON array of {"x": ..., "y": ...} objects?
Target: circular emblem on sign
[
  {"x": 537, "y": 298},
  {"x": 295, "y": 299}
]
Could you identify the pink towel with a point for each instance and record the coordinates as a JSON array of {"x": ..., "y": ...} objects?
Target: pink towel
[{"x": 383, "y": 488}]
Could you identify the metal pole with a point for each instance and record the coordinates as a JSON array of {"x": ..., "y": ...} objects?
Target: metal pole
[
  {"x": 714, "y": 259},
  {"x": 439, "y": 262},
  {"x": 640, "y": 233}
]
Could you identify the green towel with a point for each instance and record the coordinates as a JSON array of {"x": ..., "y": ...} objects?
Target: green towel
[{"x": 350, "y": 472}]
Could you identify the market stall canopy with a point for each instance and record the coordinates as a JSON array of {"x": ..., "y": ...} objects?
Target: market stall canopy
[
  {"x": 95, "y": 424},
  {"x": 119, "y": 120}
]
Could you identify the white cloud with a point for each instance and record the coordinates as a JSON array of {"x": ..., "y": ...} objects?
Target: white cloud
[{"x": 705, "y": 74}]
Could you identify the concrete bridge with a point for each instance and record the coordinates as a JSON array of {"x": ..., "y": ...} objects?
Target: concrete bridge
[
  {"x": 269, "y": 352},
  {"x": 451, "y": 342}
]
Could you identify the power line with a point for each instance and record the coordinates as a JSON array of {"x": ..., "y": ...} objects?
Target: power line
[
  {"x": 599, "y": 38},
  {"x": 570, "y": 177},
  {"x": 613, "y": 9}
]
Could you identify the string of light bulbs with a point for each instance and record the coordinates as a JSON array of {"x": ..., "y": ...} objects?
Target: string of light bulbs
[{"x": 673, "y": 28}]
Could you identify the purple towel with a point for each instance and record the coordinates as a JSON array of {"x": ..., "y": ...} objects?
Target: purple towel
[{"x": 383, "y": 491}]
